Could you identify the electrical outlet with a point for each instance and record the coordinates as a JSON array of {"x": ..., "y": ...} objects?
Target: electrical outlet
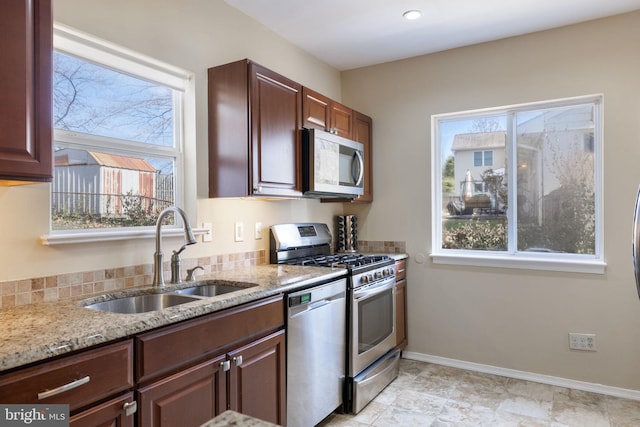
[
  {"x": 258, "y": 231},
  {"x": 585, "y": 342},
  {"x": 239, "y": 233},
  {"x": 208, "y": 236}
]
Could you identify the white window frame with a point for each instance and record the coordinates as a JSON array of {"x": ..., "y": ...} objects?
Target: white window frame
[
  {"x": 70, "y": 41},
  {"x": 578, "y": 263},
  {"x": 483, "y": 158}
]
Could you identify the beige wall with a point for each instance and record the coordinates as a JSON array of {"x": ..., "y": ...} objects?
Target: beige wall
[
  {"x": 193, "y": 35},
  {"x": 515, "y": 319}
]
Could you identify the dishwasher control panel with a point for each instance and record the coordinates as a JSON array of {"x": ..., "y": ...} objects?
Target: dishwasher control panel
[{"x": 299, "y": 299}]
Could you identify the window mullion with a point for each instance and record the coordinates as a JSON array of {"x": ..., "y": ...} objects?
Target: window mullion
[{"x": 512, "y": 185}]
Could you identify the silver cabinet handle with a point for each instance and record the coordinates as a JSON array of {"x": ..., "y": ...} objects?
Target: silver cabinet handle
[
  {"x": 237, "y": 360},
  {"x": 63, "y": 388},
  {"x": 226, "y": 365},
  {"x": 130, "y": 408}
]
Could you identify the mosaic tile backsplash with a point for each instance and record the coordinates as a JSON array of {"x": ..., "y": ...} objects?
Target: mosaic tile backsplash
[
  {"x": 382, "y": 246},
  {"x": 86, "y": 283}
]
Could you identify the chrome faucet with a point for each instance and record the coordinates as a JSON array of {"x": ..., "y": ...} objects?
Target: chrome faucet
[{"x": 158, "y": 278}]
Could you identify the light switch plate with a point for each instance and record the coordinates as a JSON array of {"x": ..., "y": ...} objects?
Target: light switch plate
[{"x": 239, "y": 232}]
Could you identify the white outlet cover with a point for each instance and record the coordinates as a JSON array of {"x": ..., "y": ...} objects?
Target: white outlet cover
[{"x": 258, "y": 231}]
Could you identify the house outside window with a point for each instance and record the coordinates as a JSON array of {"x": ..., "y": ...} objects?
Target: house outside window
[
  {"x": 118, "y": 136},
  {"x": 520, "y": 186}
]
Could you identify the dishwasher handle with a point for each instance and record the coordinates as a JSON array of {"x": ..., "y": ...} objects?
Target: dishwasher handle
[{"x": 315, "y": 305}]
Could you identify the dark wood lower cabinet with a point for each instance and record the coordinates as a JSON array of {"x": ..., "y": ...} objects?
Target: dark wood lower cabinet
[
  {"x": 253, "y": 384},
  {"x": 256, "y": 385},
  {"x": 188, "y": 398},
  {"x": 185, "y": 374},
  {"x": 108, "y": 414}
]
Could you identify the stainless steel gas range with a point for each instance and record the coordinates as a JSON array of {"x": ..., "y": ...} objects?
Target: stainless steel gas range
[{"x": 371, "y": 362}]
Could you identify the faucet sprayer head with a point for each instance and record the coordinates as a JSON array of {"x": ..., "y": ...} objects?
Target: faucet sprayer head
[{"x": 189, "y": 238}]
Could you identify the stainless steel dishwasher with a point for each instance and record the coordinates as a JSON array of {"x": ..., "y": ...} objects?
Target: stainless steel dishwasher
[{"x": 316, "y": 345}]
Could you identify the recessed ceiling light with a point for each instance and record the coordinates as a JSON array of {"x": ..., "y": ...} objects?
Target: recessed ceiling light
[{"x": 412, "y": 15}]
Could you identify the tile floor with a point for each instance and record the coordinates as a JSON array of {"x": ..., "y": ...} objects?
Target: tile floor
[{"x": 425, "y": 394}]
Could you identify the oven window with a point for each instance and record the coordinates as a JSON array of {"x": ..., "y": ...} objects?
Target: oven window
[{"x": 375, "y": 320}]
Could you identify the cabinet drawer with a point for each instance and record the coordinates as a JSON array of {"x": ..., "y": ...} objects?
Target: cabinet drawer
[
  {"x": 77, "y": 380},
  {"x": 175, "y": 347},
  {"x": 401, "y": 269},
  {"x": 111, "y": 413}
]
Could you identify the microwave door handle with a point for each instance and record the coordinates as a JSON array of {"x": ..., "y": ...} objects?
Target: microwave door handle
[
  {"x": 636, "y": 242},
  {"x": 358, "y": 157}
]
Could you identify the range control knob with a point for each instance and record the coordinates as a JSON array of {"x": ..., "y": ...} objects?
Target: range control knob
[
  {"x": 378, "y": 274},
  {"x": 363, "y": 279}
]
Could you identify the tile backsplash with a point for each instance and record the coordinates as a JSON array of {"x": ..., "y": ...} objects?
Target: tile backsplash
[
  {"x": 382, "y": 246},
  {"x": 86, "y": 283}
]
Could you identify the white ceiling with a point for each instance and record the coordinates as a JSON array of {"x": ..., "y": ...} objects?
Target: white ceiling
[{"x": 355, "y": 33}]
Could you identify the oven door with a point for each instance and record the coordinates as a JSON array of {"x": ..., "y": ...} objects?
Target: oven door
[{"x": 373, "y": 329}]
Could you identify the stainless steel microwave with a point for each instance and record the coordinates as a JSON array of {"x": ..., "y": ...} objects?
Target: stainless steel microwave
[{"x": 332, "y": 166}]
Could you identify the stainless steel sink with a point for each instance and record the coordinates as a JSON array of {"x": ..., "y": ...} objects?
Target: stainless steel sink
[
  {"x": 211, "y": 290},
  {"x": 142, "y": 303}
]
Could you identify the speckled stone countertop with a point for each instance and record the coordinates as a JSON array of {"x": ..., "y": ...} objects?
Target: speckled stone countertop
[
  {"x": 35, "y": 332},
  {"x": 232, "y": 418}
]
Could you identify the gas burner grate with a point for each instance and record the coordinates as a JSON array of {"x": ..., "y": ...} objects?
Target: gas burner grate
[{"x": 339, "y": 260}]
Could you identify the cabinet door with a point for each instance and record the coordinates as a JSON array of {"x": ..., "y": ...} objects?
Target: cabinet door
[
  {"x": 108, "y": 414},
  {"x": 275, "y": 108},
  {"x": 316, "y": 112},
  {"x": 363, "y": 133},
  {"x": 25, "y": 84},
  {"x": 257, "y": 380},
  {"x": 341, "y": 120},
  {"x": 188, "y": 398}
]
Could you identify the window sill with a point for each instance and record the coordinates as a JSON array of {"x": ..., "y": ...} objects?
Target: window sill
[
  {"x": 570, "y": 265},
  {"x": 112, "y": 235}
]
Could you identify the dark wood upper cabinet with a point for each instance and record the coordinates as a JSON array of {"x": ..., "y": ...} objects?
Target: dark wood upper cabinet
[
  {"x": 254, "y": 138},
  {"x": 25, "y": 84},
  {"x": 363, "y": 133},
  {"x": 320, "y": 112}
]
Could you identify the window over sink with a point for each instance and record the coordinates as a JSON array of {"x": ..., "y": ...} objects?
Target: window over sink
[
  {"x": 520, "y": 186},
  {"x": 121, "y": 122}
]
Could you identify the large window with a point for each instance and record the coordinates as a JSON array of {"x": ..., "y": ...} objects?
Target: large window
[
  {"x": 520, "y": 186},
  {"x": 118, "y": 136}
]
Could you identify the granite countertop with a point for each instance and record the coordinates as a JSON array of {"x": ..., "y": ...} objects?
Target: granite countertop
[
  {"x": 232, "y": 418},
  {"x": 35, "y": 332}
]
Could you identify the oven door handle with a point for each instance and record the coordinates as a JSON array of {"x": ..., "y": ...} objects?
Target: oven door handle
[{"x": 371, "y": 290}]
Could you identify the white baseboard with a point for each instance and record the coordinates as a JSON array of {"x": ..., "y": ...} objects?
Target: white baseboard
[{"x": 528, "y": 376}]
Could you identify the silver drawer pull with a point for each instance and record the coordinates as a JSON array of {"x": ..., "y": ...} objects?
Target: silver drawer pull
[
  {"x": 238, "y": 360},
  {"x": 63, "y": 388},
  {"x": 130, "y": 408}
]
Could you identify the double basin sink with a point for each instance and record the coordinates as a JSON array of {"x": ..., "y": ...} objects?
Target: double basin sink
[{"x": 136, "y": 304}]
